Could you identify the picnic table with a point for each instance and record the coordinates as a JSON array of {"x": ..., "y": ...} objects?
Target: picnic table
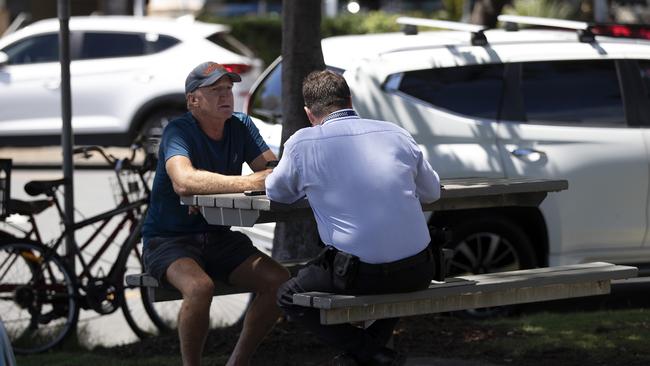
[
  {"x": 458, "y": 293},
  {"x": 238, "y": 209}
]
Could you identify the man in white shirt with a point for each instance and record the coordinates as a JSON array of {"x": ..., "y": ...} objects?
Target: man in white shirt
[{"x": 365, "y": 181}]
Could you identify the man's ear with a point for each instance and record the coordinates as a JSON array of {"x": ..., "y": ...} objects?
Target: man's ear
[
  {"x": 192, "y": 100},
  {"x": 312, "y": 119}
]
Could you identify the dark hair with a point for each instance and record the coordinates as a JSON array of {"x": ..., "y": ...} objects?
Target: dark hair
[{"x": 324, "y": 92}]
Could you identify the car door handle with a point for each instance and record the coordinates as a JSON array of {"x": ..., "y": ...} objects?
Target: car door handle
[
  {"x": 52, "y": 84},
  {"x": 528, "y": 153}
]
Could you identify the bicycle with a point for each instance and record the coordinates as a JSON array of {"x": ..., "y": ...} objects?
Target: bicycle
[{"x": 40, "y": 296}]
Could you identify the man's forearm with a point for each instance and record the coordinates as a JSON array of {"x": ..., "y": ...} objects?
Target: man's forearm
[{"x": 204, "y": 182}]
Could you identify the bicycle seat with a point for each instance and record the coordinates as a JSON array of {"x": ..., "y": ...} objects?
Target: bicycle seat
[
  {"x": 36, "y": 187},
  {"x": 28, "y": 207}
]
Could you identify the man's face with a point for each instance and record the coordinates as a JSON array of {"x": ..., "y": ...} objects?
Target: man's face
[{"x": 217, "y": 100}]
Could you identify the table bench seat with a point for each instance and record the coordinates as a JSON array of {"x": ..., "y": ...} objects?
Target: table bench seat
[
  {"x": 167, "y": 294},
  {"x": 471, "y": 292},
  {"x": 457, "y": 293}
]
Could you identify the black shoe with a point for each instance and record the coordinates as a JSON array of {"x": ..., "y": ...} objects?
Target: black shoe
[
  {"x": 344, "y": 359},
  {"x": 386, "y": 357}
]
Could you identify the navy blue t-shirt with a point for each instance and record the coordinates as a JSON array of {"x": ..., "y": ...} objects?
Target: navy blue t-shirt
[{"x": 241, "y": 142}]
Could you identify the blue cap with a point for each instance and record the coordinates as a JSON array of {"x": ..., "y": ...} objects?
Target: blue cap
[{"x": 206, "y": 74}]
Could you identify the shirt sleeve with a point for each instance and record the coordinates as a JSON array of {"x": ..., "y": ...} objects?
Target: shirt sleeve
[
  {"x": 174, "y": 142},
  {"x": 427, "y": 182},
  {"x": 254, "y": 144},
  {"x": 283, "y": 184}
]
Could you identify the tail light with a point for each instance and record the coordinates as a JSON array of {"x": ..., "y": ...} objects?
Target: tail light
[
  {"x": 237, "y": 68},
  {"x": 622, "y": 30}
]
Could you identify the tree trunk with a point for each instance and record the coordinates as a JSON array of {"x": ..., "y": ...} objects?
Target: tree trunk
[
  {"x": 301, "y": 54},
  {"x": 485, "y": 12},
  {"x": 601, "y": 11}
]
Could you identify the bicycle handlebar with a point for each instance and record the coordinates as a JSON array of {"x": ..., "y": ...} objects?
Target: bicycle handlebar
[
  {"x": 87, "y": 150},
  {"x": 114, "y": 162}
]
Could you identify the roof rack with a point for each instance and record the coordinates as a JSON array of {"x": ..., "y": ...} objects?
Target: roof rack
[
  {"x": 584, "y": 29},
  {"x": 411, "y": 24}
]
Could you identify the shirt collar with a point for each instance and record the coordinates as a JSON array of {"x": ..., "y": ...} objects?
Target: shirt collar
[{"x": 340, "y": 114}]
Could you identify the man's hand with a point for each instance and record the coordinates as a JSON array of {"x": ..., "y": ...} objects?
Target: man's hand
[{"x": 257, "y": 179}]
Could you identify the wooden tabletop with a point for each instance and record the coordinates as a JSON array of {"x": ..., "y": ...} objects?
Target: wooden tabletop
[{"x": 237, "y": 209}]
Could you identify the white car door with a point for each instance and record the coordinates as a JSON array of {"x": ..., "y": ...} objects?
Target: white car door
[
  {"x": 451, "y": 113},
  {"x": 573, "y": 126},
  {"x": 30, "y": 101}
]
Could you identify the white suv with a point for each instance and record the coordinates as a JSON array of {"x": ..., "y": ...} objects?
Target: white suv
[
  {"x": 528, "y": 103},
  {"x": 127, "y": 75}
]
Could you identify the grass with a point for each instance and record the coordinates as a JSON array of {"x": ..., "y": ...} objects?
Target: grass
[
  {"x": 608, "y": 338},
  {"x": 581, "y": 338},
  {"x": 613, "y": 338}
]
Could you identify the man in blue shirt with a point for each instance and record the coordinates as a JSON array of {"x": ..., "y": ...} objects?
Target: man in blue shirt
[
  {"x": 202, "y": 152},
  {"x": 365, "y": 181}
]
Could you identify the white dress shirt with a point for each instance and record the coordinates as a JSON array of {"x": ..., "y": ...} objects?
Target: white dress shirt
[{"x": 364, "y": 180}]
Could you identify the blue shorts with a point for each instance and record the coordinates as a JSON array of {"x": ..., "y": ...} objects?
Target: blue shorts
[{"x": 218, "y": 253}]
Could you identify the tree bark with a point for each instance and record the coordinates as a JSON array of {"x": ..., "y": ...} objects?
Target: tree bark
[
  {"x": 485, "y": 12},
  {"x": 301, "y": 54}
]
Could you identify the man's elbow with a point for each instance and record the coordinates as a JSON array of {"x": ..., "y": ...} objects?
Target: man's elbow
[
  {"x": 270, "y": 194},
  {"x": 181, "y": 189},
  {"x": 430, "y": 198},
  {"x": 275, "y": 196}
]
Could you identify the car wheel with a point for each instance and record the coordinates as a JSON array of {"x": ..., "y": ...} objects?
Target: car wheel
[
  {"x": 488, "y": 245},
  {"x": 153, "y": 126}
]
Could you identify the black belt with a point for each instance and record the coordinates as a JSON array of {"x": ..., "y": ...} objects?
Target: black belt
[{"x": 387, "y": 268}]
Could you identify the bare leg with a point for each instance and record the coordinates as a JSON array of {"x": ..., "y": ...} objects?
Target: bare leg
[
  {"x": 263, "y": 276},
  {"x": 194, "y": 317}
]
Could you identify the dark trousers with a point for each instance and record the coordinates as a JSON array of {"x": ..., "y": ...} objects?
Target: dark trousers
[{"x": 370, "y": 279}]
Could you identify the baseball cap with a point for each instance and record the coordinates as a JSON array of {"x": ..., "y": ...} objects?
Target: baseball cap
[{"x": 206, "y": 74}]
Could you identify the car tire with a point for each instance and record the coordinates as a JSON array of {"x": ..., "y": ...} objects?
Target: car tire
[
  {"x": 152, "y": 128},
  {"x": 487, "y": 245}
]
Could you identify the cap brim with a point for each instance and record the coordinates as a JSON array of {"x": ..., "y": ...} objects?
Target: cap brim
[{"x": 235, "y": 78}]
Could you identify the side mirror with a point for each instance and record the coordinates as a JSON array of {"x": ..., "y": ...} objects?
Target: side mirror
[{"x": 4, "y": 59}]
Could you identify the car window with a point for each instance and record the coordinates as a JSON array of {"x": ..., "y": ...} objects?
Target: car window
[
  {"x": 584, "y": 92},
  {"x": 230, "y": 43},
  {"x": 159, "y": 42},
  {"x": 106, "y": 45},
  {"x": 36, "y": 49},
  {"x": 266, "y": 101},
  {"x": 470, "y": 90}
]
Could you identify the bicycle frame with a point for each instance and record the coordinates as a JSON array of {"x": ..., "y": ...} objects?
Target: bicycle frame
[
  {"x": 113, "y": 279},
  {"x": 106, "y": 217}
]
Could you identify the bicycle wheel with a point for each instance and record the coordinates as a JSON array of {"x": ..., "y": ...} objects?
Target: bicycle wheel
[
  {"x": 38, "y": 301},
  {"x": 225, "y": 310},
  {"x": 133, "y": 306}
]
